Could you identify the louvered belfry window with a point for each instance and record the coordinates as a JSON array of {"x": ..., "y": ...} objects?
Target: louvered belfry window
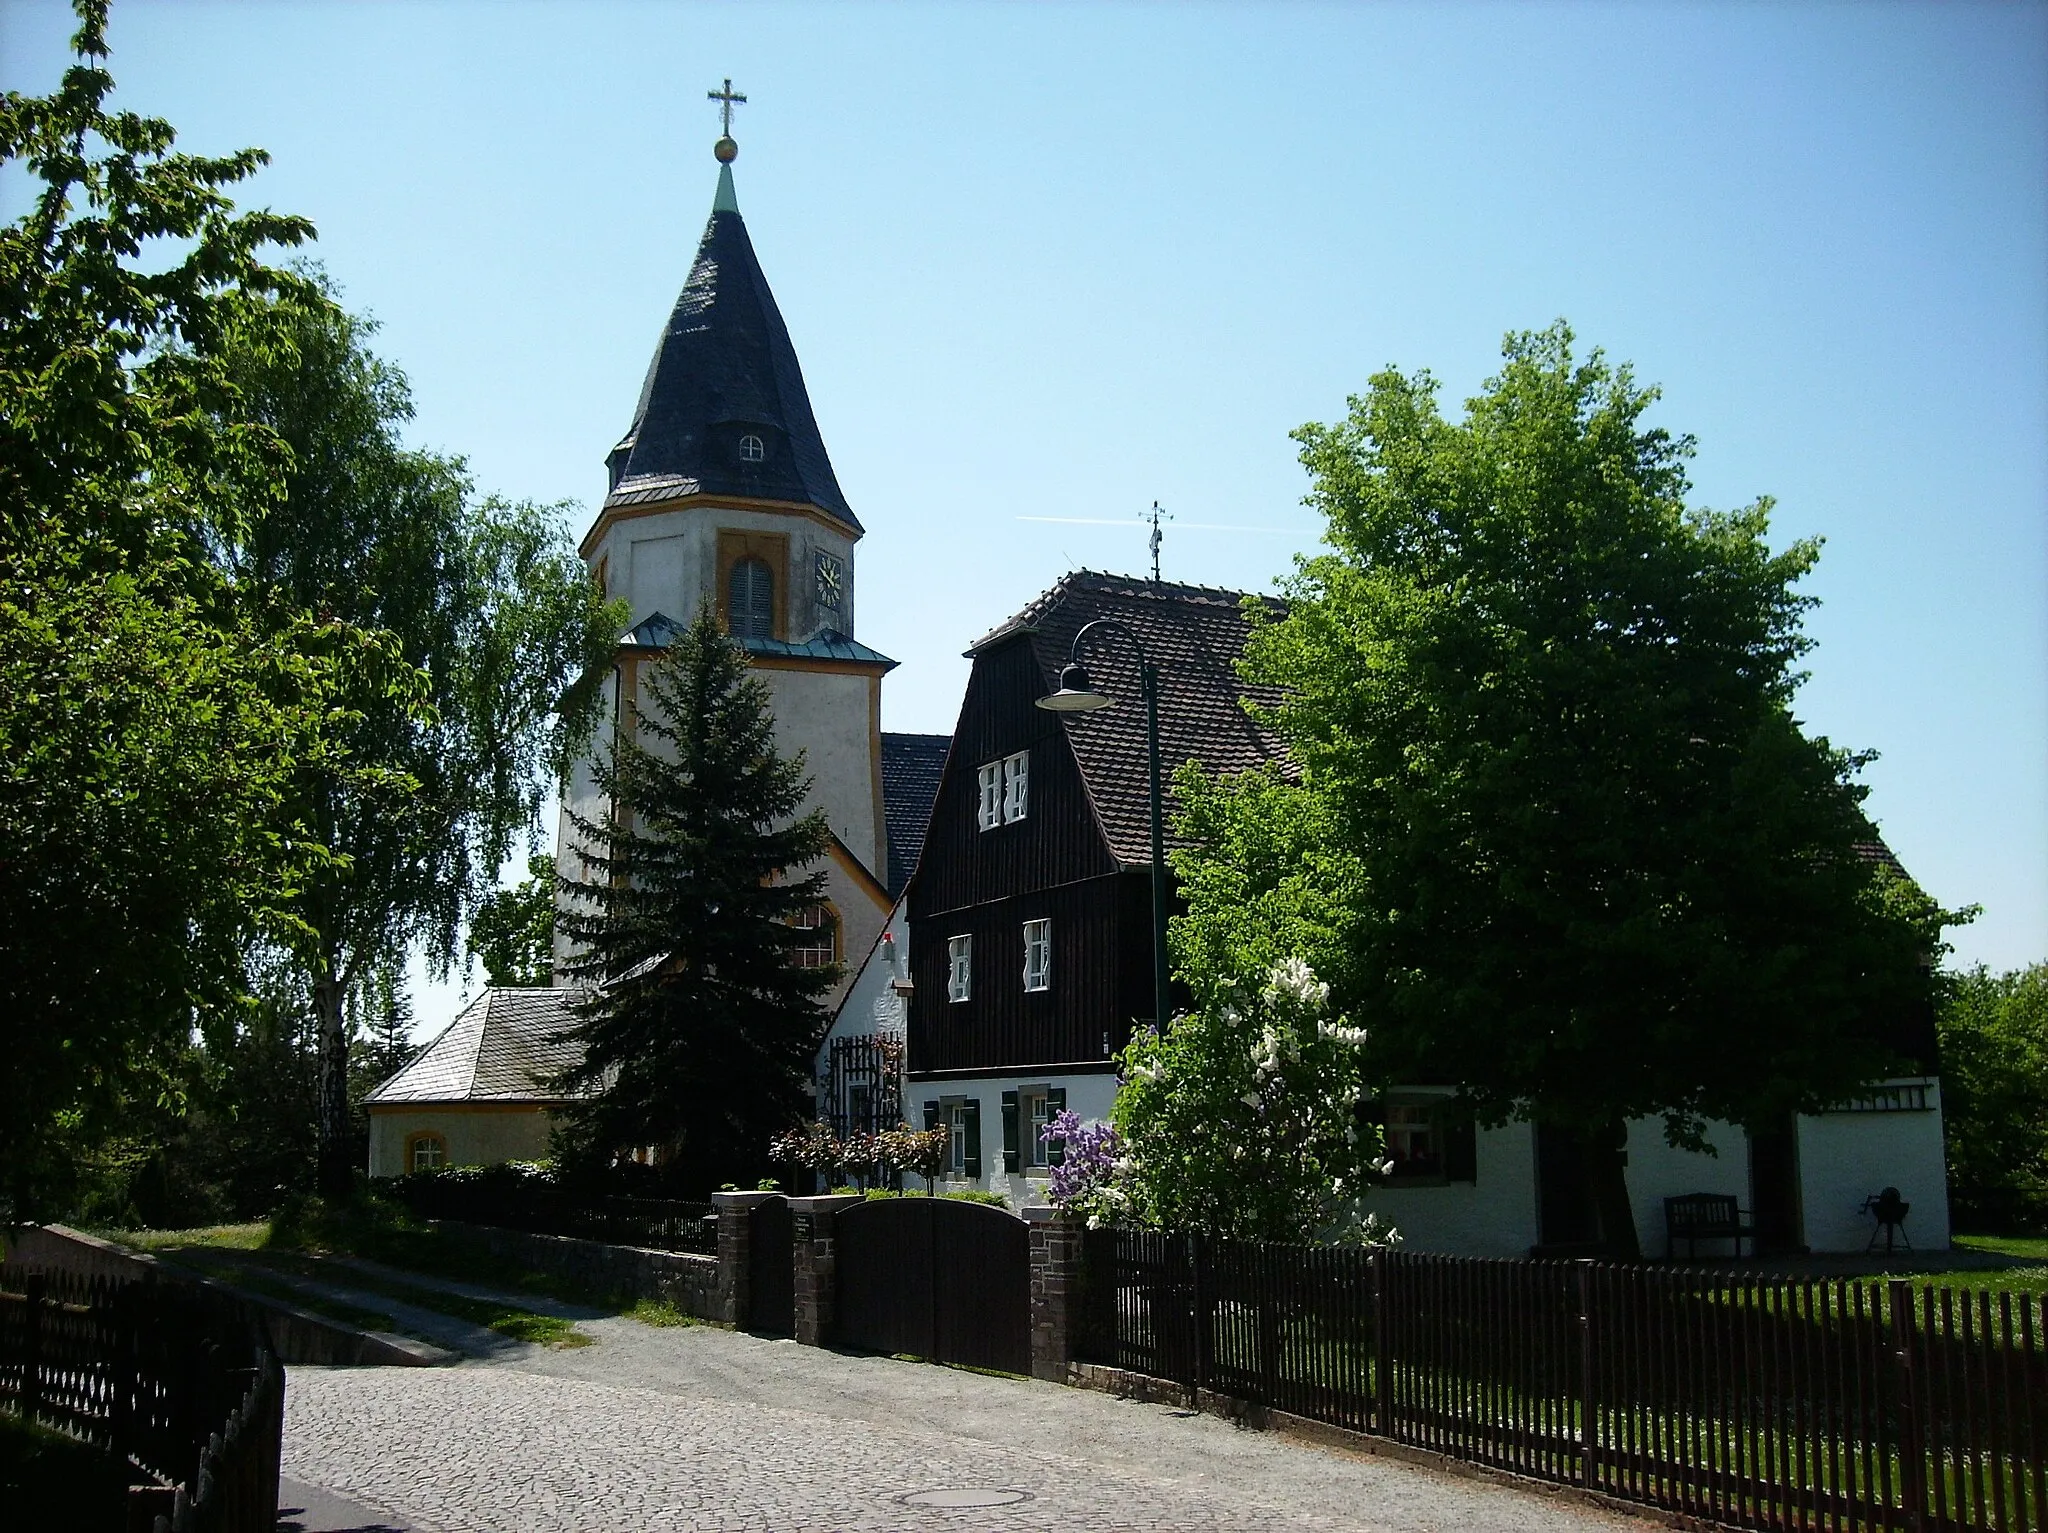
[{"x": 750, "y": 600}]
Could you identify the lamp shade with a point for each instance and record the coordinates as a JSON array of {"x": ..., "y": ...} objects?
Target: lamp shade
[{"x": 1077, "y": 694}]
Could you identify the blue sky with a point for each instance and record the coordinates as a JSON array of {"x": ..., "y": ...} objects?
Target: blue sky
[{"x": 1057, "y": 261}]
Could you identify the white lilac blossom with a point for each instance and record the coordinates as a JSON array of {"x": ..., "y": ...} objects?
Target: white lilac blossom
[{"x": 1293, "y": 977}]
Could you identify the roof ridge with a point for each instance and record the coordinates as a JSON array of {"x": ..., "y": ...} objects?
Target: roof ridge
[{"x": 1103, "y": 583}]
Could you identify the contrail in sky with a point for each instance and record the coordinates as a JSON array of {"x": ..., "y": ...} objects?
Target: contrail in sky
[{"x": 1117, "y": 521}]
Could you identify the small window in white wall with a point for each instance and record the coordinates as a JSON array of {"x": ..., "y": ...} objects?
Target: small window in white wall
[
  {"x": 1037, "y": 955},
  {"x": 959, "y": 968},
  {"x": 1016, "y": 786},
  {"x": 990, "y": 813}
]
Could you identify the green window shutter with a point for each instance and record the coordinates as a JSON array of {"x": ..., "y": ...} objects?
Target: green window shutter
[
  {"x": 1009, "y": 1131},
  {"x": 1055, "y": 1104},
  {"x": 931, "y": 1115},
  {"x": 972, "y": 1111}
]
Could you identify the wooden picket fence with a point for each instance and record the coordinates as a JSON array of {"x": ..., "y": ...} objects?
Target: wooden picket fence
[
  {"x": 176, "y": 1380},
  {"x": 1737, "y": 1398}
]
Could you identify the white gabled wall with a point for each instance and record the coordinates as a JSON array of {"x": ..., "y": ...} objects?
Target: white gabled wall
[
  {"x": 871, "y": 1003},
  {"x": 1844, "y": 1157},
  {"x": 1494, "y": 1215}
]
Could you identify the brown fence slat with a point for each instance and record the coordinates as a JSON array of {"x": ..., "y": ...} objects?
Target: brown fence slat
[{"x": 1752, "y": 1401}]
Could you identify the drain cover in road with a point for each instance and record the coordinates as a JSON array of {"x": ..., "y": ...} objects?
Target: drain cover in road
[{"x": 964, "y": 1497}]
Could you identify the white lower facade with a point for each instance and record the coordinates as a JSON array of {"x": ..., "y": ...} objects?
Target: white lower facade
[
  {"x": 1892, "y": 1137},
  {"x": 978, "y": 1112}
]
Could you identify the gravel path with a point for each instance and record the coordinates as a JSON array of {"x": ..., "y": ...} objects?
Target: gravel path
[{"x": 703, "y": 1429}]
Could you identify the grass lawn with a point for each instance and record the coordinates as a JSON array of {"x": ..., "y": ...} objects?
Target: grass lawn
[
  {"x": 2032, "y": 1248},
  {"x": 293, "y": 1243}
]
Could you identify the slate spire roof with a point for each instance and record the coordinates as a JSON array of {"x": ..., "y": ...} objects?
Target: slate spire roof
[{"x": 724, "y": 410}]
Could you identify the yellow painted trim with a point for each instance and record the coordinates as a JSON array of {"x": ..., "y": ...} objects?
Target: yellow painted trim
[
  {"x": 606, "y": 519},
  {"x": 875, "y": 772},
  {"x": 860, "y": 875},
  {"x": 822, "y": 667},
  {"x": 772, "y": 549}
]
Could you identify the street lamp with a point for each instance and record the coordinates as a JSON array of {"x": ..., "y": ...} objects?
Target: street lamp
[{"x": 1078, "y": 694}]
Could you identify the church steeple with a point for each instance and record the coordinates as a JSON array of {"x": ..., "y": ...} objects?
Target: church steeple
[{"x": 723, "y": 410}]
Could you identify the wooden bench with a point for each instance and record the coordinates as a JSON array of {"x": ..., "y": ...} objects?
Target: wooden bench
[{"x": 1701, "y": 1216}]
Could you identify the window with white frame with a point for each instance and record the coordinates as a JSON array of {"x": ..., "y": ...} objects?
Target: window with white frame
[
  {"x": 819, "y": 948},
  {"x": 1037, "y": 955},
  {"x": 1005, "y": 794},
  {"x": 1038, "y": 1112},
  {"x": 959, "y": 968},
  {"x": 1016, "y": 786},
  {"x": 990, "y": 813},
  {"x": 426, "y": 1152}
]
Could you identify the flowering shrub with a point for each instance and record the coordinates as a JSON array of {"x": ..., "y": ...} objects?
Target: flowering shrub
[
  {"x": 901, "y": 1148},
  {"x": 813, "y": 1146},
  {"x": 1085, "y": 1182},
  {"x": 1243, "y": 1119},
  {"x": 922, "y": 1152}
]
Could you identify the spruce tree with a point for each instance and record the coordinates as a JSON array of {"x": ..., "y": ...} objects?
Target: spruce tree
[{"x": 698, "y": 1028}]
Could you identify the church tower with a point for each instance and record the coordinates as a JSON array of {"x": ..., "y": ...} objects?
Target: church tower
[{"x": 721, "y": 495}]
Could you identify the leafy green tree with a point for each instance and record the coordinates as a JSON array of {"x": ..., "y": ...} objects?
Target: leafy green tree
[
  {"x": 1556, "y": 834},
  {"x": 381, "y": 1018},
  {"x": 699, "y": 1031},
  {"x": 149, "y": 729},
  {"x": 1994, "y": 1087},
  {"x": 1243, "y": 1118},
  {"x": 492, "y": 632},
  {"x": 513, "y": 931}
]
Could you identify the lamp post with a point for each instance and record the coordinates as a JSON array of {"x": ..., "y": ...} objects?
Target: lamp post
[{"x": 1078, "y": 694}]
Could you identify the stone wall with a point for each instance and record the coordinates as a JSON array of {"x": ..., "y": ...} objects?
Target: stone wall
[{"x": 688, "y": 1282}]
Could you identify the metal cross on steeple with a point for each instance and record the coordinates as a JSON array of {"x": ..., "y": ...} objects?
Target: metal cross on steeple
[
  {"x": 1155, "y": 519},
  {"x": 727, "y": 99}
]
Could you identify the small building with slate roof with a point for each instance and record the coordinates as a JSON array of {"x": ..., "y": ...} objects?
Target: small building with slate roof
[{"x": 478, "y": 1093}]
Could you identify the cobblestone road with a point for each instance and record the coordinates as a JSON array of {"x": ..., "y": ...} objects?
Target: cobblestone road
[{"x": 703, "y": 1429}]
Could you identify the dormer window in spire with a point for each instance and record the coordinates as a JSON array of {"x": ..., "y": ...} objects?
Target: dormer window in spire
[{"x": 752, "y": 449}]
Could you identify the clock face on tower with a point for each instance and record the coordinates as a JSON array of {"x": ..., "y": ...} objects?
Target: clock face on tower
[{"x": 830, "y": 572}]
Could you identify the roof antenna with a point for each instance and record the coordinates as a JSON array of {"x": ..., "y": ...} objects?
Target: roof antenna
[{"x": 1155, "y": 519}]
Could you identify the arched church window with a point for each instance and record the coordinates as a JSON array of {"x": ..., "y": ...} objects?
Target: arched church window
[
  {"x": 750, "y": 600},
  {"x": 819, "y": 948},
  {"x": 752, "y": 449}
]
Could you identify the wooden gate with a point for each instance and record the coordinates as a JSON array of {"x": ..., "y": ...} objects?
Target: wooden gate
[
  {"x": 936, "y": 1278},
  {"x": 771, "y": 1269}
]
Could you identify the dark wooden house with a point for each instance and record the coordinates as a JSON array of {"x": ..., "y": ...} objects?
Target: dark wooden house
[{"x": 1030, "y": 911}]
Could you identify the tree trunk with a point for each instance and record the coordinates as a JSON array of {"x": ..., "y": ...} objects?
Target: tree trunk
[
  {"x": 336, "y": 1161},
  {"x": 1606, "y": 1153}
]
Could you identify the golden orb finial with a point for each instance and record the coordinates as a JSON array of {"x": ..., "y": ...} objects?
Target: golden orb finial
[{"x": 728, "y": 98}]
